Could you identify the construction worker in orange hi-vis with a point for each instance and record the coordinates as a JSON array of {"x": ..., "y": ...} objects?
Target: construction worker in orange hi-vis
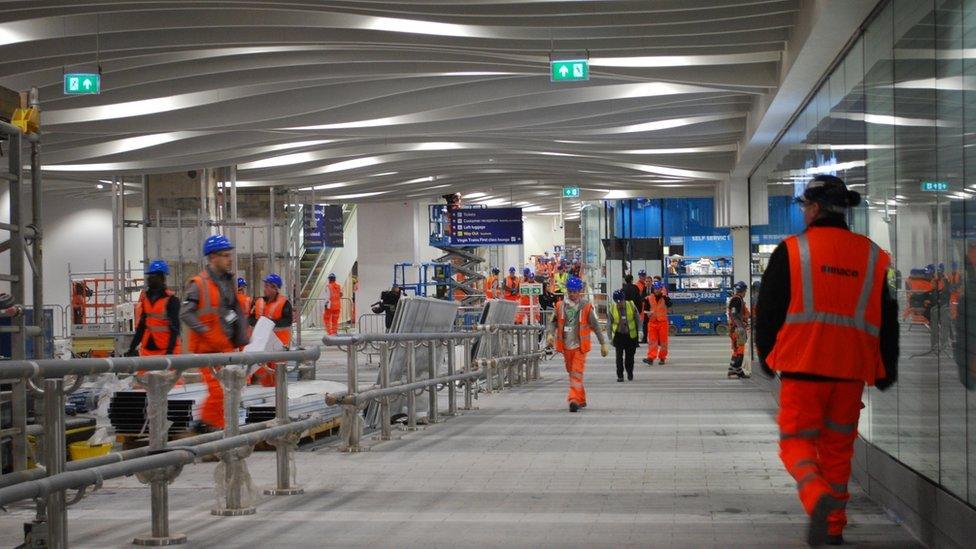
[
  {"x": 491, "y": 284},
  {"x": 157, "y": 316},
  {"x": 333, "y": 306},
  {"x": 656, "y": 309},
  {"x": 217, "y": 324},
  {"x": 245, "y": 300},
  {"x": 572, "y": 323},
  {"x": 525, "y": 301},
  {"x": 276, "y": 308},
  {"x": 827, "y": 323},
  {"x": 510, "y": 286},
  {"x": 738, "y": 316}
]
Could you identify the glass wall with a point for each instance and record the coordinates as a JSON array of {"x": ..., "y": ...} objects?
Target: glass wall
[{"x": 896, "y": 119}]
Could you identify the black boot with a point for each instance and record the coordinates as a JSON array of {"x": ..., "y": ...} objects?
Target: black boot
[{"x": 573, "y": 407}]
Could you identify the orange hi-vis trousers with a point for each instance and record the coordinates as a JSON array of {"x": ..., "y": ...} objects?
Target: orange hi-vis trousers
[
  {"x": 818, "y": 426},
  {"x": 657, "y": 339},
  {"x": 331, "y": 320},
  {"x": 575, "y": 366},
  {"x": 212, "y": 412}
]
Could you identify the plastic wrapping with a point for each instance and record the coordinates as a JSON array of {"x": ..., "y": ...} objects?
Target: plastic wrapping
[{"x": 238, "y": 477}]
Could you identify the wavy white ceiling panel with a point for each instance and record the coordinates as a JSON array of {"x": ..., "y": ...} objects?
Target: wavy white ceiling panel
[{"x": 371, "y": 99}]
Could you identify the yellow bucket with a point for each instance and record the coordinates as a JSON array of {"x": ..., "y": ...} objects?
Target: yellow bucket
[{"x": 84, "y": 450}]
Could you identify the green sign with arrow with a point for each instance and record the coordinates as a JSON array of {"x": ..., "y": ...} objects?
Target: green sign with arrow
[
  {"x": 571, "y": 192},
  {"x": 572, "y": 70},
  {"x": 82, "y": 83}
]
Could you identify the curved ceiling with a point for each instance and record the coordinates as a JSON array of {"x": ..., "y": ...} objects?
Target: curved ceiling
[{"x": 376, "y": 99}]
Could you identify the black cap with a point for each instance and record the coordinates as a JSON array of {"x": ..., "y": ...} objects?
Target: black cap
[{"x": 831, "y": 193}]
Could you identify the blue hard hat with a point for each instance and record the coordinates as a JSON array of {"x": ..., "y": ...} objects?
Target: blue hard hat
[
  {"x": 273, "y": 278},
  {"x": 241, "y": 282},
  {"x": 657, "y": 285},
  {"x": 526, "y": 271},
  {"x": 642, "y": 272},
  {"x": 740, "y": 286},
  {"x": 158, "y": 266},
  {"x": 511, "y": 269},
  {"x": 216, "y": 243},
  {"x": 941, "y": 267},
  {"x": 574, "y": 284},
  {"x": 930, "y": 268},
  {"x": 494, "y": 270},
  {"x": 618, "y": 295},
  {"x": 332, "y": 276}
]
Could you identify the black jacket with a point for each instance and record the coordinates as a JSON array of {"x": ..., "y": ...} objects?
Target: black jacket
[
  {"x": 774, "y": 301},
  {"x": 633, "y": 294},
  {"x": 172, "y": 314}
]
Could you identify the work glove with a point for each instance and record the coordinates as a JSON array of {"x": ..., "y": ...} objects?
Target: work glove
[
  {"x": 766, "y": 370},
  {"x": 883, "y": 384},
  {"x": 604, "y": 349}
]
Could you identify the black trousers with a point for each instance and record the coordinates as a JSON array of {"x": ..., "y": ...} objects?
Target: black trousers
[{"x": 625, "y": 348}]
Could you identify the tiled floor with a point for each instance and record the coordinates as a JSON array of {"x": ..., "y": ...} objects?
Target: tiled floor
[{"x": 680, "y": 457}]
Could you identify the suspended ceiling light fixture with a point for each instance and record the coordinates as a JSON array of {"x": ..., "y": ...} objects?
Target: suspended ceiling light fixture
[{"x": 686, "y": 60}]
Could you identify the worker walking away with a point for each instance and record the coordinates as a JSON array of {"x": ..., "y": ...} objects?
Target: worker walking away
[
  {"x": 622, "y": 320},
  {"x": 245, "y": 300},
  {"x": 157, "y": 316},
  {"x": 738, "y": 314},
  {"x": 528, "y": 305},
  {"x": 491, "y": 284},
  {"x": 826, "y": 322},
  {"x": 276, "y": 308},
  {"x": 217, "y": 325},
  {"x": 560, "y": 278},
  {"x": 510, "y": 286},
  {"x": 333, "y": 306},
  {"x": 570, "y": 328},
  {"x": 656, "y": 308}
]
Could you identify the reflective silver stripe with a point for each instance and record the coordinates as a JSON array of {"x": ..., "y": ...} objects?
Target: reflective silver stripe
[
  {"x": 806, "y": 463},
  {"x": 806, "y": 271},
  {"x": 806, "y": 478},
  {"x": 204, "y": 306},
  {"x": 804, "y": 433},
  {"x": 862, "y": 303},
  {"x": 844, "y": 428},
  {"x": 835, "y": 319}
]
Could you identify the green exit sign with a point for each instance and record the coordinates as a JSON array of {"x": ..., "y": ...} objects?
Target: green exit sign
[
  {"x": 530, "y": 289},
  {"x": 935, "y": 186},
  {"x": 570, "y": 192},
  {"x": 572, "y": 70},
  {"x": 82, "y": 83}
]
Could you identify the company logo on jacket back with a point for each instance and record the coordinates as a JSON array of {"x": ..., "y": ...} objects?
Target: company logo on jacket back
[{"x": 830, "y": 269}]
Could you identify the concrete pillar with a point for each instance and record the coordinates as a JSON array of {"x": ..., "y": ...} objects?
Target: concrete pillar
[
  {"x": 741, "y": 254},
  {"x": 388, "y": 233}
]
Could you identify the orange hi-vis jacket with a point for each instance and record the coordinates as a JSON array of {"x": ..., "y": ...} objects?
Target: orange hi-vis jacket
[
  {"x": 157, "y": 325},
  {"x": 657, "y": 309},
  {"x": 245, "y": 302},
  {"x": 511, "y": 288},
  {"x": 273, "y": 311},
  {"x": 584, "y": 327},
  {"x": 833, "y": 323},
  {"x": 491, "y": 286},
  {"x": 335, "y": 296},
  {"x": 214, "y": 340}
]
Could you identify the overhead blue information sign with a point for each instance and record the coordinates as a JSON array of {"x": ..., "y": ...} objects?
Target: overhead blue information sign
[
  {"x": 323, "y": 227},
  {"x": 935, "y": 186},
  {"x": 483, "y": 227}
]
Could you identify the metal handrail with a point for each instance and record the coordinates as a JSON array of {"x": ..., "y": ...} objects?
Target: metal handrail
[
  {"x": 54, "y": 368},
  {"x": 161, "y": 462},
  {"x": 521, "y": 364}
]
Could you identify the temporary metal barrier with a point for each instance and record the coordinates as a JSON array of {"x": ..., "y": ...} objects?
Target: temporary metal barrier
[
  {"x": 160, "y": 463},
  {"x": 371, "y": 323},
  {"x": 517, "y": 351}
]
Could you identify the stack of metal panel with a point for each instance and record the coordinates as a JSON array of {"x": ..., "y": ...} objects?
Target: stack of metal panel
[
  {"x": 127, "y": 413},
  {"x": 414, "y": 315},
  {"x": 304, "y": 399}
]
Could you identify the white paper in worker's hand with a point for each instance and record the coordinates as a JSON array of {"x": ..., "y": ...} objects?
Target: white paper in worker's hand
[{"x": 263, "y": 338}]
